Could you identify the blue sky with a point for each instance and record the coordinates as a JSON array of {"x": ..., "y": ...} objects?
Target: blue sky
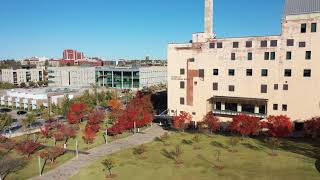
[{"x": 116, "y": 29}]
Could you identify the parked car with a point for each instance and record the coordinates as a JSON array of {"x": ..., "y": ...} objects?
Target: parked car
[
  {"x": 5, "y": 110},
  {"x": 21, "y": 113},
  {"x": 34, "y": 125}
]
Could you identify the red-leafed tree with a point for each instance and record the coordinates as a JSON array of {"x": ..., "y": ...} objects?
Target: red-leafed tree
[
  {"x": 139, "y": 110},
  {"x": 76, "y": 113},
  {"x": 88, "y": 135},
  {"x": 67, "y": 132},
  {"x": 45, "y": 131},
  {"x": 28, "y": 147},
  {"x": 245, "y": 125},
  {"x": 7, "y": 144},
  {"x": 312, "y": 128},
  {"x": 182, "y": 121},
  {"x": 278, "y": 127},
  {"x": 51, "y": 153},
  {"x": 212, "y": 122}
]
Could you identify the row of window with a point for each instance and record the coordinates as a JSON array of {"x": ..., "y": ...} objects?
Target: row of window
[
  {"x": 264, "y": 87},
  {"x": 284, "y": 107},
  {"x": 304, "y": 27},
  {"x": 264, "y": 43},
  {"x": 272, "y": 55},
  {"x": 264, "y": 72}
]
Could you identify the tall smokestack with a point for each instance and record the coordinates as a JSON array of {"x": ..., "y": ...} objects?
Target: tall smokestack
[{"x": 208, "y": 19}]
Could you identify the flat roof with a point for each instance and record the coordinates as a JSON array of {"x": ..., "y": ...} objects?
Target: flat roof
[{"x": 295, "y": 7}]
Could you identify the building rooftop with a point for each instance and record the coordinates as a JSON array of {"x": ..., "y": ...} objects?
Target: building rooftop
[{"x": 294, "y": 7}]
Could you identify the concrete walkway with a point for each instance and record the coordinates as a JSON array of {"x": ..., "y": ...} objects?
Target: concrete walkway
[{"x": 74, "y": 165}]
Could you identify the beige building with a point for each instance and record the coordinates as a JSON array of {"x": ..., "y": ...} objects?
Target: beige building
[
  {"x": 259, "y": 76},
  {"x": 71, "y": 76},
  {"x": 18, "y": 76}
]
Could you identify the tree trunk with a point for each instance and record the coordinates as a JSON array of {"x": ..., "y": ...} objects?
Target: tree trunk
[{"x": 110, "y": 172}]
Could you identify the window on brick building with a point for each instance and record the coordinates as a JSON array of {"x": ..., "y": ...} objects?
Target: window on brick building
[
  {"x": 264, "y": 72},
  {"x": 284, "y": 107},
  {"x": 182, "y": 101},
  {"x": 308, "y": 55},
  {"x": 307, "y": 73},
  {"x": 215, "y": 72},
  {"x": 264, "y": 88},
  {"x": 266, "y": 56},
  {"x": 212, "y": 45},
  {"x": 313, "y": 27},
  {"x": 249, "y": 72},
  {"x": 249, "y": 56},
  {"x": 274, "y": 43},
  {"x": 287, "y": 72},
  {"x": 275, "y": 107},
  {"x": 233, "y": 56},
  {"x": 182, "y": 71},
  {"x": 290, "y": 42},
  {"x": 182, "y": 84},
  {"x": 231, "y": 88},
  {"x": 264, "y": 43},
  {"x": 302, "y": 44},
  {"x": 289, "y": 55},
  {"x": 235, "y": 44},
  {"x": 231, "y": 72},
  {"x": 272, "y": 55},
  {"x": 303, "y": 28},
  {"x": 201, "y": 73},
  {"x": 215, "y": 86},
  {"x": 249, "y": 44}
]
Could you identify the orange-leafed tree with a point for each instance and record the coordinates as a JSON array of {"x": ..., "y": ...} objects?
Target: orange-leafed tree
[
  {"x": 182, "y": 121},
  {"x": 212, "y": 122},
  {"x": 114, "y": 104}
]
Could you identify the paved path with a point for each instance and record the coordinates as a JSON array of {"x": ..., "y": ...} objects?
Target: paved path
[{"x": 74, "y": 165}]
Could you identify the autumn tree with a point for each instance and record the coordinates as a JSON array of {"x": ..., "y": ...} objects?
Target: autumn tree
[
  {"x": 7, "y": 144},
  {"x": 212, "y": 122},
  {"x": 140, "y": 151},
  {"x": 245, "y": 125},
  {"x": 28, "y": 147},
  {"x": 114, "y": 104},
  {"x": 278, "y": 127},
  {"x": 182, "y": 121},
  {"x": 88, "y": 135},
  {"x": 312, "y": 128},
  {"x": 52, "y": 153},
  {"x": 76, "y": 113}
]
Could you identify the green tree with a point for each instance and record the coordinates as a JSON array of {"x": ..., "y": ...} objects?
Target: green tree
[
  {"x": 5, "y": 121},
  {"x": 30, "y": 118},
  {"x": 108, "y": 164}
]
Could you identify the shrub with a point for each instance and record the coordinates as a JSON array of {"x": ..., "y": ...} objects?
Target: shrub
[
  {"x": 174, "y": 154},
  {"x": 140, "y": 151},
  {"x": 312, "y": 128},
  {"x": 108, "y": 164},
  {"x": 234, "y": 141},
  {"x": 212, "y": 122},
  {"x": 182, "y": 121},
  {"x": 245, "y": 125}
]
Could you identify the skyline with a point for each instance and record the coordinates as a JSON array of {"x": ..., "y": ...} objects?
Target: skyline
[{"x": 43, "y": 28}]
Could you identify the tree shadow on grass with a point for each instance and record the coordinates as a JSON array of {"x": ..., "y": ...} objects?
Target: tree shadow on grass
[
  {"x": 219, "y": 145},
  {"x": 185, "y": 141},
  {"x": 317, "y": 165},
  {"x": 250, "y": 146}
]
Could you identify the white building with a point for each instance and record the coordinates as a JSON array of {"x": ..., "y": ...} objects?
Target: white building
[
  {"x": 18, "y": 76},
  {"x": 71, "y": 76}
]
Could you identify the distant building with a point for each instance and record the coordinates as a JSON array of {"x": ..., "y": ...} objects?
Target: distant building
[
  {"x": 18, "y": 76},
  {"x": 131, "y": 77},
  {"x": 31, "y": 99},
  {"x": 71, "y": 76},
  {"x": 256, "y": 75},
  {"x": 36, "y": 61},
  {"x": 70, "y": 54}
]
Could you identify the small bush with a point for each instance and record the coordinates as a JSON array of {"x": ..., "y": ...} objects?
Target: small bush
[
  {"x": 234, "y": 141},
  {"x": 174, "y": 154},
  {"x": 140, "y": 151}
]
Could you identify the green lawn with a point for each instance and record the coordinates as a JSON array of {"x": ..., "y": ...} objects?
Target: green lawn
[
  {"x": 295, "y": 160},
  {"x": 31, "y": 169}
]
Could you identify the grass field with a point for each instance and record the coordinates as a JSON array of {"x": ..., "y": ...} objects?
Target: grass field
[
  {"x": 31, "y": 169},
  {"x": 295, "y": 161}
]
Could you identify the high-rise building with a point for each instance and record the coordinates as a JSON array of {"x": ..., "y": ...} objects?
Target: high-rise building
[{"x": 255, "y": 75}]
